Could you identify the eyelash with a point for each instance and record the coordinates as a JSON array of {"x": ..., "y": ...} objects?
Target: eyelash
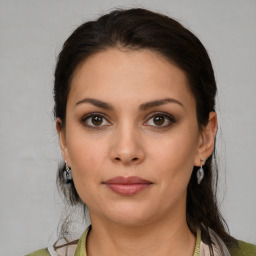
[
  {"x": 170, "y": 118},
  {"x": 87, "y": 117}
]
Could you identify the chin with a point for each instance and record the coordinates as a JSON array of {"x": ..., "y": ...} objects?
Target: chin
[{"x": 130, "y": 215}]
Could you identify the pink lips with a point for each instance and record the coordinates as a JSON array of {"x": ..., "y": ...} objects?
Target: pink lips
[{"x": 127, "y": 186}]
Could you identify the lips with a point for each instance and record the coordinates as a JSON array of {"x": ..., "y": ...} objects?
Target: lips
[{"x": 127, "y": 186}]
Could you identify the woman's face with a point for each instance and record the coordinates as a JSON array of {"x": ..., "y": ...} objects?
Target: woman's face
[{"x": 131, "y": 137}]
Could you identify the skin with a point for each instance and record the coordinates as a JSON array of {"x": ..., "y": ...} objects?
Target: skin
[{"x": 130, "y": 142}]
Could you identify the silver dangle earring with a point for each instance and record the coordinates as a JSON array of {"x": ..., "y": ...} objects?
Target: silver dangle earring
[
  {"x": 200, "y": 174},
  {"x": 68, "y": 174}
]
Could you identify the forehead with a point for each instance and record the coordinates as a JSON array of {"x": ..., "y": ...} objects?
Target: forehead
[{"x": 140, "y": 74}]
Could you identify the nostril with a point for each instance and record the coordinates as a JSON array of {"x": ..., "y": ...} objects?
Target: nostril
[{"x": 133, "y": 159}]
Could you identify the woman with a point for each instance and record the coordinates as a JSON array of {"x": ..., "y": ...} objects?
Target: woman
[{"x": 135, "y": 113}]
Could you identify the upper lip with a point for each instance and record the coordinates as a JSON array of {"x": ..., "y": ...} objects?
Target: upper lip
[{"x": 127, "y": 180}]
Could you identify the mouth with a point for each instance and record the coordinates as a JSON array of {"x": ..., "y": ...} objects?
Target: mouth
[{"x": 127, "y": 186}]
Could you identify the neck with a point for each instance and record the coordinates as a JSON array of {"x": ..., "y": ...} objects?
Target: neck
[{"x": 161, "y": 239}]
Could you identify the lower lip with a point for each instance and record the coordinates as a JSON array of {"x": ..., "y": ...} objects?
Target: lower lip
[{"x": 127, "y": 189}]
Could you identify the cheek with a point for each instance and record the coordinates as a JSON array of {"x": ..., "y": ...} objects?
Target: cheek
[
  {"x": 86, "y": 156},
  {"x": 86, "y": 162},
  {"x": 175, "y": 155},
  {"x": 177, "y": 148}
]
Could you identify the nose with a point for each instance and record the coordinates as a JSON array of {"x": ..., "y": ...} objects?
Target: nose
[{"x": 127, "y": 146}]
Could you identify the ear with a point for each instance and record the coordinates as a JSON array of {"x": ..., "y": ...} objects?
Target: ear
[
  {"x": 207, "y": 140},
  {"x": 62, "y": 139}
]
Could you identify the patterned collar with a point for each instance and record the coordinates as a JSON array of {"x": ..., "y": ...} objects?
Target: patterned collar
[{"x": 81, "y": 247}]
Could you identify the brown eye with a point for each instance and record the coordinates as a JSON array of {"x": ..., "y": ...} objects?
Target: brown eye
[
  {"x": 158, "y": 120},
  {"x": 97, "y": 120}
]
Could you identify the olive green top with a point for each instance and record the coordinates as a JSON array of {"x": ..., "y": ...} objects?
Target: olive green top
[{"x": 243, "y": 249}]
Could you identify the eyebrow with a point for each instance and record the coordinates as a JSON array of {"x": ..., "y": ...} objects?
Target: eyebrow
[
  {"x": 156, "y": 103},
  {"x": 97, "y": 103},
  {"x": 144, "y": 106}
]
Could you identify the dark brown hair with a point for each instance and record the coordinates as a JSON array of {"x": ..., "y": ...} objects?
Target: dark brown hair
[{"x": 136, "y": 29}]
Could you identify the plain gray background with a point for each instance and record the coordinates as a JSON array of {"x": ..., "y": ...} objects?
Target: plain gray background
[{"x": 31, "y": 35}]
